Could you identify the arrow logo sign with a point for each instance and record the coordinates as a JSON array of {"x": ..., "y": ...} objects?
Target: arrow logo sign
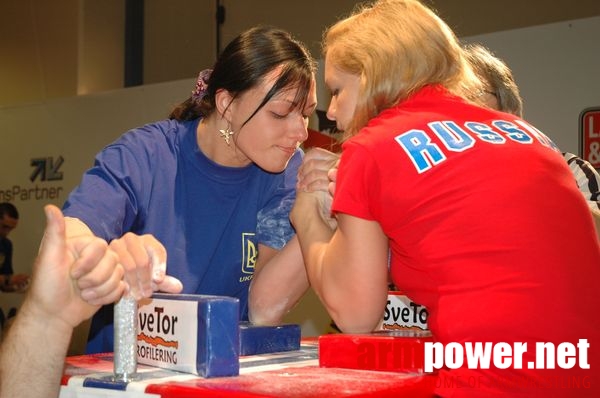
[{"x": 46, "y": 169}]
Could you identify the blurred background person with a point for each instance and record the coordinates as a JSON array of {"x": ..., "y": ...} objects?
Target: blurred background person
[
  {"x": 500, "y": 91},
  {"x": 9, "y": 281}
]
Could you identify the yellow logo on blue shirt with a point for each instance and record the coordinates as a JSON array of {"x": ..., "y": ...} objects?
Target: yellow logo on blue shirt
[{"x": 249, "y": 253}]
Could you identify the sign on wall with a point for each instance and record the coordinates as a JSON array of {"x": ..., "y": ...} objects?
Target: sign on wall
[{"x": 589, "y": 131}]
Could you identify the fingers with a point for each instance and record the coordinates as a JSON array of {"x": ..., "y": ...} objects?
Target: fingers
[
  {"x": 20, "y": 284},
  {"x": 110, "y": 292},
  {"x": 136, "y": 263},
  {"x": 54, "y": 233},
  {"x": 313, "y": 183},
  {"x": 159, "y": 267},
  {"x": 320, "y": 153},
  {"x": 317, "y": 158},
  {"x": 144, "y": 261},
  {"x": 169, "y": 285},
  {"x": 97, "y": 273},
  {"x": 95, "y": 264},
  {"x": 313, "y": 173},
  {"x": 19, "y": 279},
  {"x": 332, "y": 174},
  {"x": 160, "y": 280}
]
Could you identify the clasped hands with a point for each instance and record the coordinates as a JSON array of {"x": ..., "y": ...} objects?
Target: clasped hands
[
  {"x": 144, "y": 260},
  {"x": 316, "y": 183},
  {"x": 72, "y": 277}
]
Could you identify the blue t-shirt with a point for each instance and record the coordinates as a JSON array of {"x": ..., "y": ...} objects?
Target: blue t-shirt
[{"x": 210, "y": 218}]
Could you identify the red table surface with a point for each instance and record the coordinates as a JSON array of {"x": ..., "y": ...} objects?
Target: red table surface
[
  {"x": 289, "y": 382},
  {"x": 304, "y": 382}
]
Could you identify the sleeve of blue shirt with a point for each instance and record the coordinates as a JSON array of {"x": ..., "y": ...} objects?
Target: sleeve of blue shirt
[{"x": 274, "y": 228}]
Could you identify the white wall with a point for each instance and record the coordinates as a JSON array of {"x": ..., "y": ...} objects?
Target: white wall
[{"x": 557, "y": 68}]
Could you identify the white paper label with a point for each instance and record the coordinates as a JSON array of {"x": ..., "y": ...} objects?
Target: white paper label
[
  {"x": 402, "y": 313},
  {"x": 167, "y": 334}
]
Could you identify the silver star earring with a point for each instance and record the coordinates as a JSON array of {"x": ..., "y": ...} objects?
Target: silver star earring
[{"x": 226, "y": 134}]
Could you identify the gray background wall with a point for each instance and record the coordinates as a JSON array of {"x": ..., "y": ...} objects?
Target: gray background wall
[{"x": 557, "y": 69}]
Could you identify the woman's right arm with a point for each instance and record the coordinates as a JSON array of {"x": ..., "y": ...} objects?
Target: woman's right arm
[{"x": 347, "y": 268}]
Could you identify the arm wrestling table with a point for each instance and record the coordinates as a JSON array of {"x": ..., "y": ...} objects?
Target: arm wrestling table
[{"x": 287, "y": 374}]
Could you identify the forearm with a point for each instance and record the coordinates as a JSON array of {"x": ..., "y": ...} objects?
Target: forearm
[
  {"x": 313, "y": 235},
  {"x": 314, "y": 245},
  {"x": 32, "y": 355},
  {"x": 347, "y": 268},
  {"x": 277, "y": 285}
]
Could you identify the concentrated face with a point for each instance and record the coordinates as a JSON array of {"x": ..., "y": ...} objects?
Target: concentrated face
[
  {"x": 272, "y": 135},
  {"x": 344, "y": 88},
  {"x": 7, "y": 224}
]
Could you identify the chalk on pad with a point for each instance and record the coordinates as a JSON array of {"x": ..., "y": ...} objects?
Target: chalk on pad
[
  {"x": 256, "y": 340},
  {"x": 395, "y": 351},
  {"x": 196, "y": 334}
]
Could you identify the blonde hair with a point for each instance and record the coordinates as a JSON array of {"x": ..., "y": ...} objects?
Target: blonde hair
[{"x": 396, "y": 47}]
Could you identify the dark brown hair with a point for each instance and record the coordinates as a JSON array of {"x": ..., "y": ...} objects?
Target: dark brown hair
[{"x": 243, "y": 64}]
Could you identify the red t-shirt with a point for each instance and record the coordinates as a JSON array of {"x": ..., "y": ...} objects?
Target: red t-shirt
[{"x": 487, "y": 229}]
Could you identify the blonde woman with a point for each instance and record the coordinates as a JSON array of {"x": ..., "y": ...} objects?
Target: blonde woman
[{"x": 462, "y": 195}]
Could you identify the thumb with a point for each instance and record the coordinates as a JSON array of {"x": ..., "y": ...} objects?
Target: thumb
[
  {"x": 169, "y": 285},
  {"x": 54, "y": 234}
]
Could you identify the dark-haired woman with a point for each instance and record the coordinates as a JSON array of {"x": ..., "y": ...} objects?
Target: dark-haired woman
[{"x": 212, "y": 186}]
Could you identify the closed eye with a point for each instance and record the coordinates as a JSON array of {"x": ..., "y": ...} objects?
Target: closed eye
[{"x": 279, "y": 116}]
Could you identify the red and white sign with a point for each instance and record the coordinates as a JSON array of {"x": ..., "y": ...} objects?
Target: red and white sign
[{"x": 589, "y": 129}]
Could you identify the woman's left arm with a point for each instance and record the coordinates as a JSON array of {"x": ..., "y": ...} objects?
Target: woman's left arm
[{"x": 278, "y": 284}]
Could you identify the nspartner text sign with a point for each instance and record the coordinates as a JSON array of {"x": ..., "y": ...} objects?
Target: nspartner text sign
[{"x": 589, "y": 129}]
